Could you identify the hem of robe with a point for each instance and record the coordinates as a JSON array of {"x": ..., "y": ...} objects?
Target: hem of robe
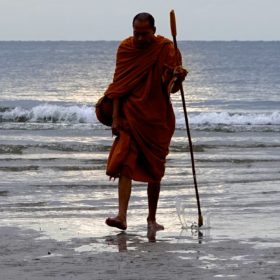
[{"x": 124, "y": 161}]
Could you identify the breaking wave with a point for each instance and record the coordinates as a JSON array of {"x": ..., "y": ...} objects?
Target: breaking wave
[
  {"x": 225, "y": 118},
  {"x": 85, "y": 114},
  {"x": 49, "y": 113}
]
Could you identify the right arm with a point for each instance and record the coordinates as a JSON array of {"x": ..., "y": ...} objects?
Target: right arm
[{"x": 174, "y": 74}]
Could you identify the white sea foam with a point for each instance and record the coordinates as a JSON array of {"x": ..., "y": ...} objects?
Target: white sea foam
[
  {"x": 85, "y": 114},
  {"x": 51, "y": 113},
  {"x": 225, "y": 118}
]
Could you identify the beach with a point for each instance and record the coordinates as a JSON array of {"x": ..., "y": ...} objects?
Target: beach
[
  {"x": 130, "y": 256},
  {"x": 55, "y": 196}
]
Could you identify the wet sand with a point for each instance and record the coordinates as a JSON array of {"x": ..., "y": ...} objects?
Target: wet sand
[{"x": 59, "y": 249}]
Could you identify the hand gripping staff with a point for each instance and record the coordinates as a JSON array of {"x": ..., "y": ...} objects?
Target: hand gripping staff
[{"x": 174, "y": 34}]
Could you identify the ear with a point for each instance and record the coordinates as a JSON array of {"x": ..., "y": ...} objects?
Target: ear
[{"x": 154, "y": 30}]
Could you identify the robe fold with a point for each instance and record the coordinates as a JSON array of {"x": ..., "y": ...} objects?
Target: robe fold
[{"x": 141, "y": 83}]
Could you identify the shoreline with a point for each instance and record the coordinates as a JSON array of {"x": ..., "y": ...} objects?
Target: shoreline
[{"x": 129, "y": 255}]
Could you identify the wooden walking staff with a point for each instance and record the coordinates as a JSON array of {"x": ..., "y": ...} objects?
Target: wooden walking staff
[{"x": 174, "y": 34}]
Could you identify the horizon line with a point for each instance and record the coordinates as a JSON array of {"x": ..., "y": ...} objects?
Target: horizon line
[{"x": 182, "y": 40}]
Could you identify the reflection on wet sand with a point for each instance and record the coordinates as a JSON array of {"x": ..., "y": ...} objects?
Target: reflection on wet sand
[
  {"x": 126, "y": 242},
  {"x": 122, "y": 239}
]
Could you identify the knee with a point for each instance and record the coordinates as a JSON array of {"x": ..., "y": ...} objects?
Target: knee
[{"x": 154, "y": 185}]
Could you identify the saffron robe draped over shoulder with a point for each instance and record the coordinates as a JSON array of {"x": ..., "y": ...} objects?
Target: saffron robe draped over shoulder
[{"x": 141, "y": 83}]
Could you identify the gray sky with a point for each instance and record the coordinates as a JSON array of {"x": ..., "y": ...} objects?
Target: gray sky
[{"x": 111, "y": 19}]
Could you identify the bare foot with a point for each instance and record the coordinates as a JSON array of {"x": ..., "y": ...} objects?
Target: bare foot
[
  {"x": 154, "y": 226},
  {"x": 116, "y": 222}
]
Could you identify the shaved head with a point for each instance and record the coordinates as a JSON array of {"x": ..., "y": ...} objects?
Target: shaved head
[{"x": 144, "y": 17}]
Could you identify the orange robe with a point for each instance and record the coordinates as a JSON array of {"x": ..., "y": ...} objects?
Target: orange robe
[{"x": 141, "y": 82}]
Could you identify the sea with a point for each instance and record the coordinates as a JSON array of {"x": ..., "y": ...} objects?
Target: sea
[{"x": 53, "y": 151}]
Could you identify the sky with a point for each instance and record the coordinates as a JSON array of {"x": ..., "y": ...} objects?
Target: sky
[{"x": 111, "y": 19}]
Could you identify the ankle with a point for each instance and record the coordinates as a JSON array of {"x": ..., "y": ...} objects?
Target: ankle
[
  {"x": 121, "y": 217},
  {"x": 151, "y": 220}
]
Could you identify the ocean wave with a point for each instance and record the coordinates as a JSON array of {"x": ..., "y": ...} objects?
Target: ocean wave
[
  {"x": 50, "y": 113},
  {"x": 226, "y": 118},
  {"x": 85, "y": 114}
]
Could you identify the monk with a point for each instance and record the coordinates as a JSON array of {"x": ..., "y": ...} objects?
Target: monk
[{"x": 148, "y": 69}]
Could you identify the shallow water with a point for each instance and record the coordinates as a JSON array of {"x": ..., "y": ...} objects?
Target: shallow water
[{"x": 59, "y": 174}]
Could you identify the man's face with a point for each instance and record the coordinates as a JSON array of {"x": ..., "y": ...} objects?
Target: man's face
[{"x": 143, "y": 34}]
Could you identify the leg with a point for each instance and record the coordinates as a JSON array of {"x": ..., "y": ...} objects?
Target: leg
[
  {"x": 153, "y": 196},
  {"x": 124, "y": 194}
]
